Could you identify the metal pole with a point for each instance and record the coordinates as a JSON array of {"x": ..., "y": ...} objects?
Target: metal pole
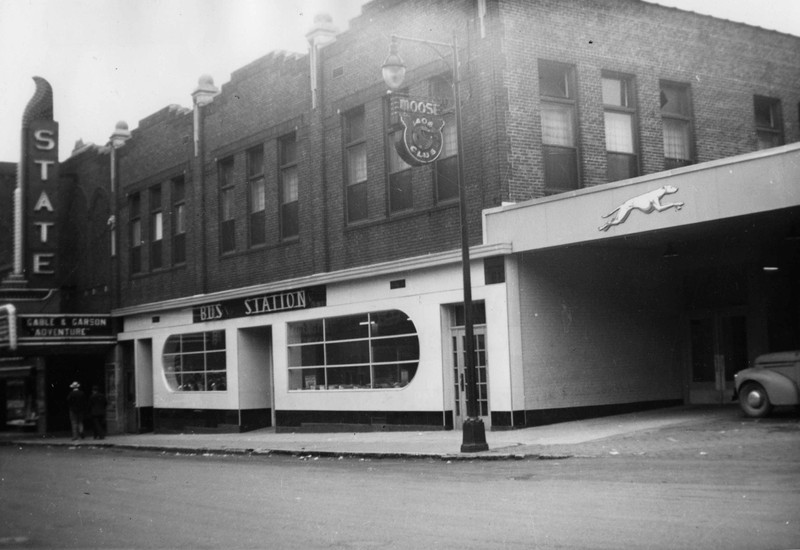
[{"x": 473, "y": 430}]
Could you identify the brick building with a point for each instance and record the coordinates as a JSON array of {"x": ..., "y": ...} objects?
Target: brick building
[{"x": 276, "y": 261}]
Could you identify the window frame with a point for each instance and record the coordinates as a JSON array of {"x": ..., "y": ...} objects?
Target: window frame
[
  {"x": 135, "y": 232},
  {"x": 256, "y": 205},
  {"x": 289, "y": 214},
  {"x": 156, "y": 227},
  {"x": 684, "y": 118},
  {"x": 178, "y": 197},
  {"x": 567, "y": 103},
  {"x": 227, "y": 216},
  {"x": 627, "y": 107},
  {"x": 358, "y": 188},
  {"x": 773, "y": 131}
]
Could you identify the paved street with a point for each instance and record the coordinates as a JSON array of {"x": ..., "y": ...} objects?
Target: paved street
[
  {"x": 709, "y": 481},
  {"x": 81, "y": 498}
]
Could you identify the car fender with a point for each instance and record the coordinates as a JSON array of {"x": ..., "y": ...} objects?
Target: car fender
[{"x": 780, "y": 389}]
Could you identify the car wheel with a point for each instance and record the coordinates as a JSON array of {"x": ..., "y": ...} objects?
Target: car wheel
[{"x": 754, "y": 400}]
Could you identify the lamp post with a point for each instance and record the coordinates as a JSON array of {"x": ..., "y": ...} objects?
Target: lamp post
[{"x": 394, "y": 69}]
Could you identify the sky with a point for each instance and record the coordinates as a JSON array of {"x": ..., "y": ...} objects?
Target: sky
[{"x": 112, "y": 60}]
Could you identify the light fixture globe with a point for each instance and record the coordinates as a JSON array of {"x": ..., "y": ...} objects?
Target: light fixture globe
[
  {"x": 394, "y": 69},
  {"x": 120, "y": 135}
]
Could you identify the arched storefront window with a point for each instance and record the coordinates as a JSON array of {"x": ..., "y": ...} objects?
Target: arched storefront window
[
  {"x": 196, "y": 361},
  {"x": 377, "y": 350}
]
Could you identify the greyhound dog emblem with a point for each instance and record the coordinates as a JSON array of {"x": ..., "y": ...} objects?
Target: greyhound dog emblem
[{"x": 646, "y": 202}]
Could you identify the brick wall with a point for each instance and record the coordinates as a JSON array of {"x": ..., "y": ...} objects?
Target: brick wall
[{"x": 724, "y": 63}]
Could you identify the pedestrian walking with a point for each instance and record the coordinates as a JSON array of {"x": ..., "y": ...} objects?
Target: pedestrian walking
[
  {"x": 97, "y": 408},
  {"x": 76, "y": 401}
]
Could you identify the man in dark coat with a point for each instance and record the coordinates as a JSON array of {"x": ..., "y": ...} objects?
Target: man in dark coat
[
  {"x": 97, "y": 408},
  {"x": 76, "y": 401}
]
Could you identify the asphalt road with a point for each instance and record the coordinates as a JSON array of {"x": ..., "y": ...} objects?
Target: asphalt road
[{"x": 95, "y": 498}]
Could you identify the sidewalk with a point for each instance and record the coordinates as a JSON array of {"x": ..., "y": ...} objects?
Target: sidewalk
[{"x": 591, "y": 437}]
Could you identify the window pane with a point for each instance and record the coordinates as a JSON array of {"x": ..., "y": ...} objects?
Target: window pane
[
  {"x": 389, "y": 323},
  {"x": 554, "y": 80},
  {"x": 346, "y": 328},
  {"x": 289, "y": 185},
  {"x": 136, "y": 233},
  {"x": 621, "y": 166},
  {"x": 255, "y": 162},
  {"x": 400, "y": 191},
  {"x": 179, "y": 219},
  {"x": 290, "y": 220},
  {"x": 306, "y": 379},
  {"x": 447, "y": 179},
  {"x": 355, "y": 125},
  {"x": 357, "y": 164},
  {"x": 225, "y": 173},
  {"x": 288, "y": 150},
  {"x": 615, "y": 92},
  {"x": 674, "y": 100},
  {"x": 257, "y": 195},
  {"x": 557, "y": 125},
  {"x": 393, "y": 376},
  {"x": 226, "y": 200},
  {"x": 619, "y": 132},
  {"x": 357, "y": 202},
  {"x": 228, "y": 235},
  {"x": 450, "y": 142},
  {"x": 385, "y": 350},
  {"x": 347, "y": 353},
  {"x": 676, "y": 139},
  {"x": 396, "y": 163},
  {"x": 348, "y": 377},
  {"x": 560, "y": 168},
  {"x": 307, "y": 331},
  {"x": 308, "y": 355},
  {"x": 158, "y": 226},
  {"x": 179, "y": 248}
]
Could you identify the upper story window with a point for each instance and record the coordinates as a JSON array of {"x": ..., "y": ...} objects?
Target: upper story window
[
  {"x": 619, "y": 112},
  {"x": 227, "y": 216},
  {"x": 769, "y": 121},
  {"x": 356, "y": 164},
  {"x": 559, "y": 131},
  {"x": 156, "y": 228},
  {"x": 258, "y": 198},
  {"x": 135, "y": 231},
  {"x": 446, "y": 169},
  {"x": 363, "y": 351},
  {"x": 289, "y": 183},
  {"x": 196, "y": 361},
  {"x": 400, "y": 192},
  {"x": 676, "y": 116},
  {"x": 178, "y": 220}
]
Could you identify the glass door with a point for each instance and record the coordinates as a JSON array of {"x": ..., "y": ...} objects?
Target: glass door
[
  {"x": 460, "y": 377},
  {"x": 718, "y": 350}
]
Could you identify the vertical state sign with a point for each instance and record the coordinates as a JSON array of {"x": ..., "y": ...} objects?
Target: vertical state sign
[{"x": 40, "y": 188}]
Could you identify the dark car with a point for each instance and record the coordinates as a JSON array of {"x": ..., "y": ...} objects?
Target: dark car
[{"x": 774, "y": 380}]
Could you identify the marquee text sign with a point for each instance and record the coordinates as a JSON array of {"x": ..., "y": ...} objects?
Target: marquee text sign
[
  {"x": 420, "y": 141},
  {"x": 259, "y": 305},
  {"x": 65, "y": 329}
]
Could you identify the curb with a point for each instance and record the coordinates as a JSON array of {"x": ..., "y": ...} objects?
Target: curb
[{"x": 302, "y": 454}]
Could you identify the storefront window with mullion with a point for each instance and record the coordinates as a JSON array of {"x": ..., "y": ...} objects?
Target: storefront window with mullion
[
  {"x": 364, "y": 351},
  {"x": 356, "y": 158},
  {"x": 195, "y": 361}
]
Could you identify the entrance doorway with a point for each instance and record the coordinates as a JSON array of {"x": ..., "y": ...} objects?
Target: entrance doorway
[
  {"x": 460, "y": 377},
  {"x": 717, "y": 350}
]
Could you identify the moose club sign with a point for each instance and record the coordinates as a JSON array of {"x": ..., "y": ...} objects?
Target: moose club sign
[{"x": 420, "y": 141}]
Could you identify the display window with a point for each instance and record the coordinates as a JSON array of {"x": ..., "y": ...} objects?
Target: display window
[
  {"x": 196, "y": 361},
  {"x": 378, "y": 350}
]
